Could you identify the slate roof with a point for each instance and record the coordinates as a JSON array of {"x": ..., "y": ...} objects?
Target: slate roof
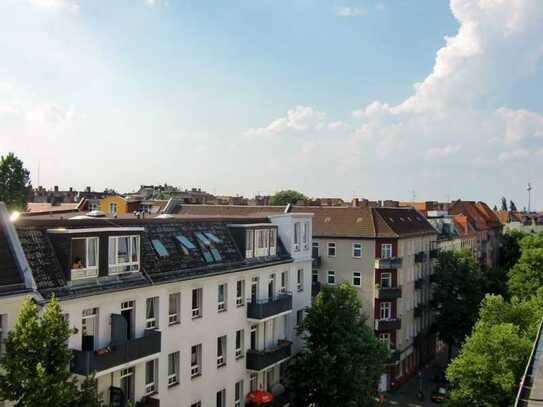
[
  {"x": 9, "y": 273},
  {"x": 46, "y": 268}
]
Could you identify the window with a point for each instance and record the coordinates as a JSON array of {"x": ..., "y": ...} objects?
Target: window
[
  {"x": 331, "y": 249},
  {"x": 213, "y": 237},
  {"x": 305, "y": 236},
  {"x": 385, "y": 310},
  {"x": 174, "y": 309},
  {"x": 124, "y": 254},
  {"x": 386, "y": 251},
  {"x": 173, "y": 368},
  {"x": 151, "y": 376},
  {"x": 113, "y": 207},
  {"x": 159, "y": 248},
  {"x": 315, "y": 276},
  {"x": 221, "y": 351},
  {"x": 384, "y": 338},
  {"x": 316, "y": 249},
  {"x": 195, "y": 360},
  {"x": 197, "y": 294},
  {"x": 331, "y": 277},
  {"x": 273, "y": 240},
  {"x": 89, "y": 329},
  {"x": 386, "y": 279},
  {"x": 357, "y": 250},
  {"x": 84, "y": 258},
  {"x": 221, "y": 298},
  {"x": 284, "y": 282},
  {"x": 249, "y": 247},
  {"x": 186, "y": 245},
  {"x": 240, "y": 293},
  {"x": 205, "y": 246},
  {"x": 239, "y": 343},
  {"x": 300, "y": 280},
  {"x": 357, "y": 279},
  {"x": 299, "y": 317},
  {"x": 151, "y": 313},
  {"x": 221, "y": 398},
  {"x": 3, "y": 333},
  {"x": 253, "y": 382},
  {"x": 297, "y": 231},
  {"x": 196, "y": 404},
  {"x": 238, "y": 393}
]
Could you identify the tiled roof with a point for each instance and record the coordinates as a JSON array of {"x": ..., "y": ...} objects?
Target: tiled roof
[
  {"x": 479, "y": 214},
  {"x": 44, "y": 207}
]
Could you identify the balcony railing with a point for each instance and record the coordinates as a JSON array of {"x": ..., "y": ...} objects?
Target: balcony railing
[
  {"x": 388, "y": 293},
  {"x": 86, "y": 362},
  {"x": 259, "y": 360},
  {"x": 316, "y": 261},
  {"x": 419, "y": 283},
  {"x": 388, "y": 324},
  {"x": 388, "y": 263},
  {"x": 420, "y": 257},
  {"x": 262, "y": 309}
]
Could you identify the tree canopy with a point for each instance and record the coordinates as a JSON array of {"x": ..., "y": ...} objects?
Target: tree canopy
[
  {"x": 512, "y": 206},
  {"x": 504, "y": 204},
  {"x": 35, "y": 369},
  {"x": 342, "y": 359},
  {"x": 14, "y": 182},
  {"x": 526, "y": 276},
  {"x": 458, "y": 290},
  {"x": 492, "y": 360},
  {"x": 286, "y": 197}
]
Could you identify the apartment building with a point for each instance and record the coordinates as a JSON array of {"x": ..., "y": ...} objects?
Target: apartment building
[
  {"x": 170, "y": 310},
  {"x": 386, "y": 254}
]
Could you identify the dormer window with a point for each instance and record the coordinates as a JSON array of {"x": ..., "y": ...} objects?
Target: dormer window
[
  {"x": 84, "y": 258},
  {"x": 124, "y": 254},
  {"x": 209, "y": 250}
]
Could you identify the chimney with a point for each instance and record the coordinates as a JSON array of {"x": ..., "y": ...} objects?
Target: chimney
[
  {"x": 88, "y": 189},
  {"x": 71, "y": 189},
  {"x": 356, "y": 203},
  {"x": 56, "y": 188}
]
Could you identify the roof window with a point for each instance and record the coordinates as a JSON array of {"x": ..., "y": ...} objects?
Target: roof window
[{"x": 159, "y": 248}]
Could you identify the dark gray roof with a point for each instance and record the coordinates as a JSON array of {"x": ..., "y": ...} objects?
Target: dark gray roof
[{"x": 10, "y": 276}]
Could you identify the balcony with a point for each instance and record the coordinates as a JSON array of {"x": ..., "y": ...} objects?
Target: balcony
[
  {"x": 419, "y": 283},
  {"x": 420, "y": 257},
  {"x": 388, "y": 293},
  {"x": 259, "y": 360},
  {"x": 388, "y": 324},
  {"x": 86, "y": 362},
  {"x": 316, "y": 262},
  {"x": 262, "y": 309},
  {"x": 388, "y": 263},
  {"x": 395, "y": 356}
]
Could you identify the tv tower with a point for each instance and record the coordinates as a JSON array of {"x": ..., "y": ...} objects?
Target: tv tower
[{"x": 529, "y": 189}]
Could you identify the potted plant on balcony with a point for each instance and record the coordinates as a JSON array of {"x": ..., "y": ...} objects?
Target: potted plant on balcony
[{"x": 102, "y": 351}]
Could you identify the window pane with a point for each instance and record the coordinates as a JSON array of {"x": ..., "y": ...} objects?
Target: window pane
[
  {"x": 79, "y": 255},
  {"x": 159, "y": 247},
  {"x": 92, "y": 249},
  {"x": 122, "y": 250},
  {"x": 135, "y": 248},
  {"x": 112, "y": 250}
]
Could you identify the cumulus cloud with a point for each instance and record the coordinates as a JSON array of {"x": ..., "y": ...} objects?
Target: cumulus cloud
[
  {"x": 69, "y": 5},
  {"x": 346, "y": 11},
  {"x": 297, "y": 119},
  {"x": 440, "y": 152}
]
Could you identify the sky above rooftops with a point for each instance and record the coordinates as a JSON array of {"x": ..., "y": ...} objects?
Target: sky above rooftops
[{"x": 372, "y": 98}]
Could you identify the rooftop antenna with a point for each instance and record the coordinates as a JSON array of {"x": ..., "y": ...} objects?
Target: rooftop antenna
[
  {"x": 529, "y": 189},
  {"x": 38, "y": 176}
]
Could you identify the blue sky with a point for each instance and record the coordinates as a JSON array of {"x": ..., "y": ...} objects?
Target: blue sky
[{"x": 256, "y": 96}]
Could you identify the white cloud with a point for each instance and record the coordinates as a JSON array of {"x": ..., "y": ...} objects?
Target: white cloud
[
  {"x": 152, "y": 2},
  {"x": 440, "y": 152},
  {"x": 346, "y": 11},
  {"x": 514, "y": 155},
  {"x": 297, "y": 118},
  {"x": 70, "y": 5},
  {"x": 338, "y": 125}
]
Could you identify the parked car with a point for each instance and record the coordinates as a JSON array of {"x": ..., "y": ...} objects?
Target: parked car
[{"x": 440, "y": 394}]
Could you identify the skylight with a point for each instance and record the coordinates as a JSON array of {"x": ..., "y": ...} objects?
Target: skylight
[
  {"x": 185, "y": 242},
  {"x": 202, "y": 238},
  {"x": 159, "y": 247},
  {"x": 213, "y": 237}
]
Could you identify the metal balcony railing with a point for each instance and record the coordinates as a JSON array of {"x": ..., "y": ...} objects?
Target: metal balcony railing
[
  {"x": 262, "y": 309},
  {"x": 259, "y": 360}
]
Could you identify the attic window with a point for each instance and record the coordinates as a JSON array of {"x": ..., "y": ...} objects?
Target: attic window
[
  {"x": 402, "y": 219},
  {"x": 186, "y": 243},
  {"x": 359, "y": 220},
  {"x": 159, "y": 248},
  {"x": 84, "y": 258},
  {"x": 210, "y": 253},
  {"x": 328, "y": 219},
  {"x": 391, "y": 219},
  {"x": 409, "y": 219},
  {"x": 213, "y": 237}
]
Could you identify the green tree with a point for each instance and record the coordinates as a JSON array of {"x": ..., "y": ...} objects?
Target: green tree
[
  {"x": 491, "y": 362},
  {"x": 14, "y": 182},
  {"x": 504, "y": 204},
  {"x": 510, "y": 249},
  {"x": 286, "y": 197},
  {"x": 512, "y": 206},
  {"x": 526, "y": 277},
  {"x": 88, "y": 394},
  {"x": 35, "y": 369},
  {"x": 458, "y": 290},
  {"x": 341, "y": 360}
]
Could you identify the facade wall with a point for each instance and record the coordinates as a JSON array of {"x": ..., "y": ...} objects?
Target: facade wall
[{"x": 122, "y": 205}]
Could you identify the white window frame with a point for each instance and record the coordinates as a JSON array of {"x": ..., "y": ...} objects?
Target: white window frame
[
  {"x": 314, "y": 273},
  {"x": 221, "y": 304},
  {"x": 297, "y": 231},
  {"x": 329, "y": 274},
  {"x": 173, "y": 361},
  {"x": 299, "y": 317},
  {"x": 221, "y": 351},
  {"x": 197, "y": 312},
  {"x": 113, "y": 205},
  {"x": 114, "y": 265},
  {"x": 238, "y": 393},
  {"x": 357, "y": 247},
  {"x": 273, "y": 242},
  {"x": 388, "y": 278},
  {"x": 85, "y": 271},
  {"x": 249, "y": 243},
  {"x": 357, "y": 275},
  {"x": 305, "y": 235},
  {"x": 384, "y": 338},
  {"x": 388, "y": 250},
  {"x": 331, "y": 245},
  {"x": 174, "y": 317},
  {"x": 239, "y": 349},
  {"x": 316, "y": 245},
  {"x": 385, "y": 311},
  {"x": 151, "y": 387},
  {"x": 240, "y": 295},
  {"x": 300, "y": 280},
  {"x": 284, "y": 282},
  {"x": 223, "y": 397},
  {"x": 151, "y": 322},
  {"x": 195, "y": 369},
  {"x": 253, "y": 381}
]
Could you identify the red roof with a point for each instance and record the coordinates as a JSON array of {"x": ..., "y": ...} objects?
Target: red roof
[{"x": 478, "y": 213}]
